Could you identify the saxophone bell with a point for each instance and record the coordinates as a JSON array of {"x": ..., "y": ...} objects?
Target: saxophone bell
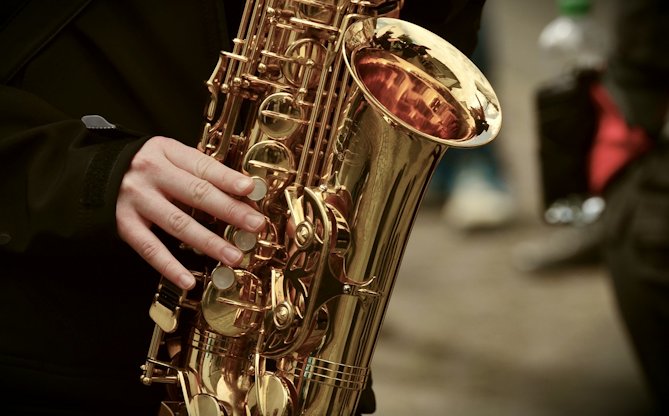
[{"x": 421, "y": 82}]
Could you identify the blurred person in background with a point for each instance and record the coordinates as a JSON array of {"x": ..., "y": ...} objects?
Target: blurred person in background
[
  {"x": 625, "y": 155},
  {"x": 629, "y": 165}
]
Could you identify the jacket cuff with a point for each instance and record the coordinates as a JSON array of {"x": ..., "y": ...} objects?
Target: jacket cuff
[{"x": 102, "y": 180}]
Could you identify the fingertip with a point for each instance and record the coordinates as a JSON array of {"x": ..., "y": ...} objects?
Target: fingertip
[
  {"x": 244, "y": 185},
  {"x": 186, "y": 281},
  {"x": 255, "y": 221},
  {"x": 232, "y": 256}
]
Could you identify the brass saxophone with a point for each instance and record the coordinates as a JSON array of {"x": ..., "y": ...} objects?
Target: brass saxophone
[{"x": 340, "y": 116}]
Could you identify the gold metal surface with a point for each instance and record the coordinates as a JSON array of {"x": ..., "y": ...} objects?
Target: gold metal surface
[
  {"x": 271, "y": 396},
  {"x": 346, "y": 115}
]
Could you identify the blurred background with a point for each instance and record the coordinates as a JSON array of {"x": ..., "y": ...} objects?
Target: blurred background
[{"x": 473, "y": 329}]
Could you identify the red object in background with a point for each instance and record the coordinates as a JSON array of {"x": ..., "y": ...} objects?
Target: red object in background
[{"x": 615, "y": 143}]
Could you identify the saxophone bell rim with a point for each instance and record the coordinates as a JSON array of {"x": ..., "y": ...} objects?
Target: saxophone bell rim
[{"x": 448, "y": 71}]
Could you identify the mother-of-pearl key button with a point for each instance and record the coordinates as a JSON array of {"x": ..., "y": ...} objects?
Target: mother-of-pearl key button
[
  {"x": 259, "y": 190},
  {"x": 245, "y": 240},
  {"x": 223, "y": 277}
]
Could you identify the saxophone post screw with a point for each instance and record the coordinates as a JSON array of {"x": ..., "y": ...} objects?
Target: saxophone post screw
[
  {"x": 283, "y": 315},
  {"x": 304, "y": 233}
]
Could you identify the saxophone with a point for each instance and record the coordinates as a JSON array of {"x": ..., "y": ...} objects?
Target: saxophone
[{"x": 340, "y": 115}]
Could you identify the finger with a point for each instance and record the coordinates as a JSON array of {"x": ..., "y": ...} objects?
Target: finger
[
  {"x": 206, "y": 167},
  {"x": 182, "y": 226},
  {"x": 154, "y": 252},
  {"x": 202, "y": 195}
]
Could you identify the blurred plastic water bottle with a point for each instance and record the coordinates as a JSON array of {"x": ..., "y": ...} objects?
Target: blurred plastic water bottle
[{"x": 573, "y": 41}]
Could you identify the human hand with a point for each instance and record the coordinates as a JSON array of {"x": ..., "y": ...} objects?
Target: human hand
[{"x": 165, "y": 171}]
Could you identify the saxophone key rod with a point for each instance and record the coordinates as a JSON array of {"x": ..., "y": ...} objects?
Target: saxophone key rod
[{"x": 148, "y": 368}]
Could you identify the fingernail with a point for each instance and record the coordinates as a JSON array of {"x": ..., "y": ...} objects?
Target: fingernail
[
  {"x": 186, "y": 281},
  {"x": 243, "y": 184},
  {"x": 232, "y": 255},
  {"x": 255, "y": 220}
]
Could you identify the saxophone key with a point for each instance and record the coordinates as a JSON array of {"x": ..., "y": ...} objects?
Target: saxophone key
[
  {"x": 272, "y": 163},
  {"x": 166, "y": 305},
  {"x": 270, "y": 395},
  {"x": 260, "y": 189},
  {"x": 233, "y": 303},
  {"x": 244, "y": 240}
]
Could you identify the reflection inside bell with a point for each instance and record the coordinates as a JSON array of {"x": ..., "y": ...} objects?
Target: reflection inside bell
[{"x": 410, "y": 95}]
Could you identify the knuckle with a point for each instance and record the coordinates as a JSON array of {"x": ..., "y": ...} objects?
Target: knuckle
[
  {"x": 231, "y": 210},
  {"x": 159, "y": 141},
  {"x": 167, "y": 267},
  {"x": 148, "y": 156},
  {"x": 143, "y": 163},
  {"x": 178, "y": 221},
  {"x": 212, "y": 243},
  {"x": 149, "y": 249},
  {"x": 129, "y": 186},
  {"x": 203, "y": 165},
  {"x": 199, "y": 190}
]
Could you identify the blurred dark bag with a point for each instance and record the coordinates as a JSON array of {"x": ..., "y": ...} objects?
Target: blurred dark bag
[{"x": 567, "y": 122}]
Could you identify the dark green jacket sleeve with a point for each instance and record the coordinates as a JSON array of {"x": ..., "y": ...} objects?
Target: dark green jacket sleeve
[
  {"x": 140, "y": 65},
  {"x": 60, "y": 179}
]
